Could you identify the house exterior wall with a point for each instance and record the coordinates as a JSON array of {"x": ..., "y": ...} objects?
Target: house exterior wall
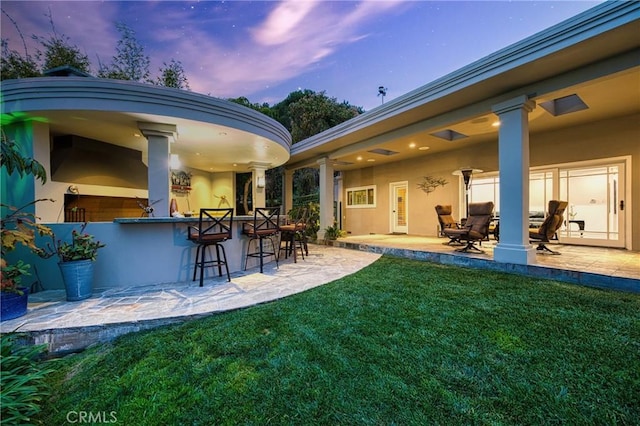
[{"x": 614, "y": 137}]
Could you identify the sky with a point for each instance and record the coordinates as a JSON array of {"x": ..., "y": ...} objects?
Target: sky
[{"x": 264, "y": 50}]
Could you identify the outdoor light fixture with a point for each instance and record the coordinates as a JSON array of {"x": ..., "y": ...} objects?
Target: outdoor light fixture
[
  {"x": 174, "y": 162},
  {"x": 466, "y": 173}
]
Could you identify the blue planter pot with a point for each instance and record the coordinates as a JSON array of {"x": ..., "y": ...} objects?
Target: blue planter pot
[
  {"x": 78, "y": 279},
  {"x": 13, "y": 305}
]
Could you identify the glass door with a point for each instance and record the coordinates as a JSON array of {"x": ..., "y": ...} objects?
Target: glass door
[
  {"x": 399, "y": 207},
  {"x": 595, "y": 215}
]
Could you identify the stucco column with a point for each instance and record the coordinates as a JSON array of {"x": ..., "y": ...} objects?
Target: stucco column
[
  {"x": 287, "y": 189},
  {"x": 258, "y": 184},
  {"x": 159, "y": 138},
  {"x": 326, "y": 195},
  {"x": 513, "y": 155}
]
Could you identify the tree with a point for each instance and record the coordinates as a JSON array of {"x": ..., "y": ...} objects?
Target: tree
[
  {"x": 130, "y": 62},
  {"x": 263, "y": 108},
  {"x": 173, "y": 75},
  {"x": 59, "y": 52},
  {"x": 316, "y": 112},
  {"x": 13, "y": 64}
]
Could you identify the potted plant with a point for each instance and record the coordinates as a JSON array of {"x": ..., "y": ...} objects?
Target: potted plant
[{"x": 76, "y": 263}]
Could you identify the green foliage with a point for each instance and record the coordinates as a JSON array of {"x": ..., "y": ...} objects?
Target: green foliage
[
  {"x": 14, "y": 161},
  {"x": 11, "y": 276},
  {"x": 14, "y": 65},
  {"x": 19, "y": 226},
  {"x": 400, "y": 342},
  {"x": 81, "y": 247},
  {"x": 58, "y": 51},
  {"x": 130, "y": 61},
  {"x": 315, "y": 113},
  {"x": 332, "y": 233},
  {"x": 22, "y": 378},
  {"x": 263, "y": 107},
  {"x": 173, "y": 75}
]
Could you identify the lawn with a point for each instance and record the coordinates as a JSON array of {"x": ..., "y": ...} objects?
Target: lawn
[{"x": 400, "y": 342}]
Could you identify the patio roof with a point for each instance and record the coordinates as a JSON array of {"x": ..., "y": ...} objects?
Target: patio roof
[
  {"x": 594, "y": 55},
  {"x": 213, "y": 135}
]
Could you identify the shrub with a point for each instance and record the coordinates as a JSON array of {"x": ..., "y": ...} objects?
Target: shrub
[{"x": 22, "y": 380}]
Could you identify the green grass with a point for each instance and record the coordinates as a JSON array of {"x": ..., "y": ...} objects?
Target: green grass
[{"x": 400, "y": 342}]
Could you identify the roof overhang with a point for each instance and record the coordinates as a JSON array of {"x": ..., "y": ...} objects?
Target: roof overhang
[
  {"x": 596, "y": 53},
  {"x": 211, "y": 134}
]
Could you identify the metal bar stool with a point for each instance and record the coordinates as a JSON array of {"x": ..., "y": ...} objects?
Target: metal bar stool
[
  {"x": 214, "y": 227},
  {"x": 292, "y": 235},
  {"x": 265, "y": 225}
]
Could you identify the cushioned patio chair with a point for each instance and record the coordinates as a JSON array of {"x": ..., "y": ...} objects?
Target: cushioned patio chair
[
  {"x": 549, "y": 227},
  {"x": 476, "y": 228},
  {"x": 446, "y": 220}
]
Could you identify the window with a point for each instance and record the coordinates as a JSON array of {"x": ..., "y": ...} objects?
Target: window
[{"x": 361, "y": 197}]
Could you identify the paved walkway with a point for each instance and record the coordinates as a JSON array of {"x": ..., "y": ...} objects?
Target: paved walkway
[{"x": 70, "y": 326}]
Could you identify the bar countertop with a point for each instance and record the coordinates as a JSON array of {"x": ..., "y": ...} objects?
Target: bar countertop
[{"x": 155, "y": 220}]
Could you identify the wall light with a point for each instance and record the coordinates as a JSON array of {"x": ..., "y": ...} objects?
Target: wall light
[
  {"x": 174, "y": 162},
  {"x": 260, "y": 182}
]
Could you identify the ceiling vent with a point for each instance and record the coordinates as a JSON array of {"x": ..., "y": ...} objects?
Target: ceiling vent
[
  {"x": 449, "y": 135},
  {"x": 382, "y": 151},
  {"x": 564, "y": 105}
]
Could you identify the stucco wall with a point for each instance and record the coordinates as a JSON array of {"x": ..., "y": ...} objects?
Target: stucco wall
[{"x": 605, "y": 139}]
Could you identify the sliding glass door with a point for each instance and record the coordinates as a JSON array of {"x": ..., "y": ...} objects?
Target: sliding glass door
[{"x": 595, "y": 192}]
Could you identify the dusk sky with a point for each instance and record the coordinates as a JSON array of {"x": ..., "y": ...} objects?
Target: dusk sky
[{"x": 266, "y": 49}]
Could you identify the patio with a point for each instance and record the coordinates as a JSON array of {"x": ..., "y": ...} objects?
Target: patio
[{"x": 71, "y": 326}]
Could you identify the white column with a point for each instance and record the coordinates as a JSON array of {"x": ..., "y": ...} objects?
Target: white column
[
  {"x": 513, "y": 155},
  {"x": 258, "y": 179},
  {"x": 159, "y": 138},
  {"x": 326, "y": 195},
  {"x": 287, "y": 189}
]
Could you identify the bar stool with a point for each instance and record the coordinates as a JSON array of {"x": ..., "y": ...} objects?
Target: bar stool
[
  {"x": 265, "y": 225},
  {"x": 293, "y": 236},
  {"x": 214, "y": 227}
]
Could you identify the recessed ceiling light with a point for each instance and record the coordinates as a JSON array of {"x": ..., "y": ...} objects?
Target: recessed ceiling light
[
  {"x": 412, "y": 145},
  {"x": 371, "y": 160},
  {"x": 235, "y": 164},
  {"x": 359, "y": 158},
  {"x": 423, "y": 148},
  {"x": 197, "y": 153},
  {"x": 496, "y": 124},
  {"x": 137, "y": 135}
]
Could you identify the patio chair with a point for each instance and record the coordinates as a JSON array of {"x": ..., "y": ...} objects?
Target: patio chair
[
  {"x": 476, "y": 227},
  {"x": 214, "y": 227},
  {"x": 549, "y": 227},
  {"x": 293, "y": 235},
  {"x": 264, "y": 226},
  {"x": 446, "y": 220}
]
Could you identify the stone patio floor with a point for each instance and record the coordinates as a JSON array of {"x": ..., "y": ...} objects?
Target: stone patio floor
[{"x": 70, "y": 326}]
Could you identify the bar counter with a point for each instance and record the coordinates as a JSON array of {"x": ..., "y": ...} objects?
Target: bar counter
[{"x": 143, "y": 251}]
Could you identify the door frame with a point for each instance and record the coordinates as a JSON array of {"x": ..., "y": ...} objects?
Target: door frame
[{"x": 393, "y": 228}]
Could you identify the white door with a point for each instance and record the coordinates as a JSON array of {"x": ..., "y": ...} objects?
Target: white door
[
  {"x": 399, "y": 207},
  {"x": 596, "y": 212}
]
